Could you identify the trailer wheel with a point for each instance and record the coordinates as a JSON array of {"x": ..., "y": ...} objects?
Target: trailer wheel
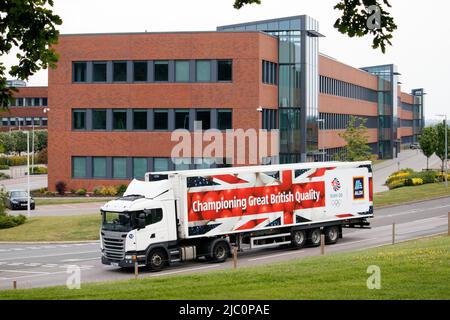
[
  {"x": 219, "y": 252},
  {"x": 331, "y": 234},
  {"x": 314, "y": 237},
  {"x": 156, "y": 260},
  {"x": 298, "y": 239}
]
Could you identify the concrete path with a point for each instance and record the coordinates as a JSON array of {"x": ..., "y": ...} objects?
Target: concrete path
[{"x": 413, "y": 159}]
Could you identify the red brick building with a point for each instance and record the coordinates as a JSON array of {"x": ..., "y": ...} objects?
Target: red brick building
[{"x": 116, "y": 98}]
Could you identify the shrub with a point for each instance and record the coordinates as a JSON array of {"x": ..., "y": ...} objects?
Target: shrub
[
  {"x": 41, "y": 157},
  {"x": 426, "y": 176},
  {"x": 61, "y": 187},
  {"x": 108, "y": 191},
  {"x": 396, "y": 184},
  {"x": 73, "y": 191},
  {"x": 121, "y": 189},
  {"x": 4, "y": 176},
  {"x": 81, "y": 192},
  {"x": 17, "y": 161},
  {"x": 11, "y": 221},
  {"x": 4, "y": 167},
  {"x": 40, "y": 170},
  {"x": 96, "y": 191}
]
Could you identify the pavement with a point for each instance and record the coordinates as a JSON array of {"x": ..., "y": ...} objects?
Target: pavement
[
  {"x": 413, "y": 159},
  {"x": 36, "y": 182},
  {"x": 63, "y": 209},
  {"x": 40, "y": 265}
]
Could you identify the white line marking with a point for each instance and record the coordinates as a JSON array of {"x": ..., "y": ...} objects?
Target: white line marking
[
  {"x": 51, "y": 255},
  {"x": 32, "y": 264},
  {"x": 25, "y": 271},
  {"x": 36, "y": 275},
  {"x": 275, "y": 255},
  {"x": 77, "y": 260},
  {"x": 184, "y": 270},
  {"x": 353, "y": 242},
  {"x": 50, "y": 265},
  {"x": 15, "y": 264}
]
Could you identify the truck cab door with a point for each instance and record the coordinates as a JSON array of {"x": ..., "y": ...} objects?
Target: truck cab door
[{"x": 155, "y": 230}]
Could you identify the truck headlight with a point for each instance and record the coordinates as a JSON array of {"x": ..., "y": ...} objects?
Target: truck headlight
[{"x": 128, "y": 257}]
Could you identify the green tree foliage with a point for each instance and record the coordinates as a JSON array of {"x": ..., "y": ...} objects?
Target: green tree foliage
[
  {"x": 16, "y": 141},
  {"x": 30, "y": 27},
  {"x": 355, "y": 136},
  {"x": 40, "y": 140},
  {"x": 357, "y": 20},
  {"x": 428, "y": 142},
  {"x": 440, "y": 142}
]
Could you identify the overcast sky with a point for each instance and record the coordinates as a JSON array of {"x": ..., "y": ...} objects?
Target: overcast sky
[{"x": 421, "y": 44}]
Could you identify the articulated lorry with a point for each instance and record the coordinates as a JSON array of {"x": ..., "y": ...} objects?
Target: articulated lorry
[{"x": 178, "y": 216}]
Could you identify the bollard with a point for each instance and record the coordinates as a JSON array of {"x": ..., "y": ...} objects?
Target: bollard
[
  {"x": 136, "y": 267},
  {"x": 14, "y": 284},
  {"x": 393, "y": 233},
  {"x": 322, "y": 244},
  {"x": 234, "y": 257}
]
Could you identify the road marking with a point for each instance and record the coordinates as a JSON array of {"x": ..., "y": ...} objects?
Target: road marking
[
  {"x": 35, "y": 275},
  {"x": 25, "y": 271},
  {"x": 32, "y": 264},
  {"x": 275, "y": 255},
  {"x": 410, "y": 212},
  {"x": 15, "y": 264},
  {"x": 51, "y": 255},
  {"x": 50, "y": 265},
  {"x": 77, "y": 260},
  {"x": 353, "y": 242},
  {"x": 184, "y": 270}
]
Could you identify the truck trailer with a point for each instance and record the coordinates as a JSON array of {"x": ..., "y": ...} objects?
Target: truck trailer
[{"x": 178, "y": 216}]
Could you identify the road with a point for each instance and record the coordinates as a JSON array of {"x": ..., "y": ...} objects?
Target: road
[
  {"x": 38, "y": 265},
  {"x": 413, "y": 159},
  {"x": 36, "y": 182},
  {"x": 69, "y": 209}
]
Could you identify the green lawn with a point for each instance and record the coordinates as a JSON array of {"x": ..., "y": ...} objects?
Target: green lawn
[
  {"x": 65, "y": 228},
  {"x": 56, "y": 201},
  {"x": 412, "y": 270},
  {"x": 410, "y": 194}
]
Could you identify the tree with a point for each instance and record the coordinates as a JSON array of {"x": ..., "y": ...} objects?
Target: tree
[
  {"x": 359, "y": 18},
  {"x": 440, "y": 142},
  {"x": 355, "y": 136},
  {"x": 428, "y": 143},
  {"x": 30, "y": 27},
  {"x": 40, "y": 139}
]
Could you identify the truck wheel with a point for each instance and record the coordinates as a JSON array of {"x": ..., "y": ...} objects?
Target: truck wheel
[
  {"x": 331, "y": 234},
  {"x": 314, "y": 237},
  {"x": 298, "y": 239},
  {"x": 219, "y": 252},
  {"x": 156, "y": 260}
]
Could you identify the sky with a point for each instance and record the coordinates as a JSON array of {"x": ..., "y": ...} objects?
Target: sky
[{"x": 421, "y": 44}]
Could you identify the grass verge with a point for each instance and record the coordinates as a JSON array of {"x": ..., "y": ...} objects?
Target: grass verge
[
  {"x": 411, "y": 270},
  {"x": 44, "y": 202},
  {"x": 65, "y": 228},
  {"x": 410, "y": 194}
]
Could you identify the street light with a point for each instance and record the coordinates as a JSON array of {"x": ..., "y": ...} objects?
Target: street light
[{"x": 446, "y": 147}]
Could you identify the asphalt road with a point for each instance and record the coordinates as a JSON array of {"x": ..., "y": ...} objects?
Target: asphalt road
[
  {"x": 36, "y": 182},
  {"x": 38, "y": 265},
  {"x": 68, "y": 209}
]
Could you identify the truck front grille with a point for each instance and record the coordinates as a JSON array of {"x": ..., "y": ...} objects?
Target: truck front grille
[{"x": 114, "y": 248}]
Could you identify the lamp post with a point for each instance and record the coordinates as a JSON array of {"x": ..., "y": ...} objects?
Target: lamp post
[
  {"x": 28, "y": 175},
  {"x": 446, "y": 148}
]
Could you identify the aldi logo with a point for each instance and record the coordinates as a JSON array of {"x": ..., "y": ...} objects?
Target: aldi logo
[{"x": 358, "y": 188}]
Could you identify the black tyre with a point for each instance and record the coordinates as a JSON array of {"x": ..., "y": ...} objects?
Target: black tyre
[
  {"x": 156, "y": 260},
  {"x": 298, "y": 239},
  {"x": 331, "y": 234},
  {"x": 314, "y": 237},
  {"x": 219, "y": 252}
]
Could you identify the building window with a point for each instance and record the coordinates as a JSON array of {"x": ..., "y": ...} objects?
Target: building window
[
  {"x": 44, "y": 102},
  {"x": 99, "y": 71},
  {"x": 269, "y": 119},
  {"x": 28, "y": 121},
  {"x": 29, "y": 102},
  {"x": 269, "y": 70},
  {"x": 182, "y": 71},
  {"x": 160, "y": 164},
  {"x": 119, "y": 119},
  {"x": 224, "y": 70},
  {"x": 161, "y": 71},
  {"x": 182, "y": 119},
  {"x": 99, "y": 119},
  {"x": 139, "y": 119},
  {"x": 161, "y": 118},
  {"x": 182, "y": 164},
  {"x": 37, "y": 102},
  {"x": 79, "y": 119},
  {"x": 203, "y": 71},
  {"x": 119, "y": 168},
  {"x": 140, "y": 71},
  {"x": 120, "y": 71},
  {"x": 19, "y": 102},
  {"x": 5, "y": 122},
  {"x": 224, "y": 119},
  {"x": 44, "y": 122},
  {"x": 204, "y": 116},
  {"x": 139, "y": 168},
  {"x": 36, "y": 121},
  {"x": 79, "y": 72},
  {"x": 79, "y": 167},
  {"x": 99, "y": 167},
  {"x": 12, "y": 121}
]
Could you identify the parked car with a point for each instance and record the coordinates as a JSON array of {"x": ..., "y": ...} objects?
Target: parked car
[
  {"x": 18, "y": 199},
  {"x": 414, "y": 146}
]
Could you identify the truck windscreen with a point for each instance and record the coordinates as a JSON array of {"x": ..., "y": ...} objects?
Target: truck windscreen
[{"x": 117, "y": 221}]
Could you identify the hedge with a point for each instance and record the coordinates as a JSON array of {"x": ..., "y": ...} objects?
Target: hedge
[{"x": 11, "y": 221}]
